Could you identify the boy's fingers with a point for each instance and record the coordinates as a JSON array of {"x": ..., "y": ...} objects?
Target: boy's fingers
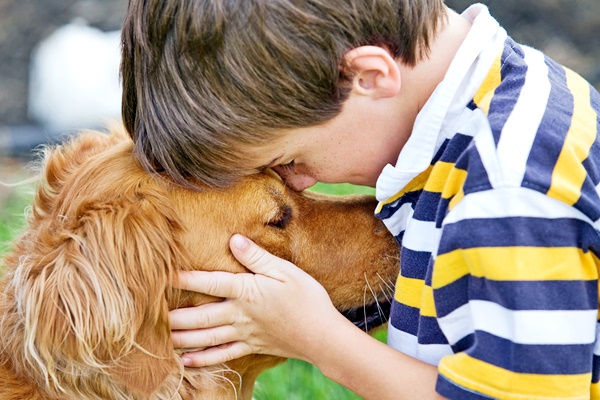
[
  {"x": 216, "y": 355},
  {"x": 214, "y": 283},
  {"x": 255, "y": 258},
  {"x": 204, "y": 316},
  {"x": 203, "y": 338}
]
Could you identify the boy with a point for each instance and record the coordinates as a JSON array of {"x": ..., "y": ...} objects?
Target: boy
[{"x": 485, "y": 161}]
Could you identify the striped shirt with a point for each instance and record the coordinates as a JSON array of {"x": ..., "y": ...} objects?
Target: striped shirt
[{"x": 495, "y": 200}]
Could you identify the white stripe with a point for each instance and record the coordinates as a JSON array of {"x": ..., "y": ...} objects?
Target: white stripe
[
  {"x": 457, "y": 324},
  {"x": 597, "y": 222},
  {"x": 511, "y": 202},
  {"x": 597, "y": 344},
  {"x": 486, "y": 147},
  {"x": 408, "y": 344},
  {"x": 522, "y": 124},
  {"x": 421, "y": 236},
  {"x": 397, "y": 222},
  {"x": 524, "y": 326}
]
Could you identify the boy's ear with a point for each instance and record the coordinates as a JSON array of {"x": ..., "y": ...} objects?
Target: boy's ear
[{"x": 373, "y": 71}]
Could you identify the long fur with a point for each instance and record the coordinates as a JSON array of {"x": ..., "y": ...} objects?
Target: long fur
[{"x": 85, "y": 300}]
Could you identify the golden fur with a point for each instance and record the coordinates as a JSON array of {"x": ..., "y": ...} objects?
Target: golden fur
[{"x": 87, "y": 289}]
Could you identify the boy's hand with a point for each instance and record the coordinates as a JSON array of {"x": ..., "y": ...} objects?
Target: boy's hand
[{"x": 278, "y": 310}]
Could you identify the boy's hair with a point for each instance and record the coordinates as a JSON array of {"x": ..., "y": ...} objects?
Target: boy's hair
[{"x": 204, "y": 81}]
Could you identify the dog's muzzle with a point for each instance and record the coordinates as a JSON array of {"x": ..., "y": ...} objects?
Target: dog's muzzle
[{"x": 370, "y": 316}]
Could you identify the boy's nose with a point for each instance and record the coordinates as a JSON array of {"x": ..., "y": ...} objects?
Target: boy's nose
[{"x": 297, "y": 182}]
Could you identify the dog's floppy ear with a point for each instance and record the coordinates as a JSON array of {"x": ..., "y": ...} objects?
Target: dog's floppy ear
[{"x": 92, "y": 291}]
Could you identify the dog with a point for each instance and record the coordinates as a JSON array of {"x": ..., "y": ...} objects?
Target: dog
[{"x": 88, "y": 284}]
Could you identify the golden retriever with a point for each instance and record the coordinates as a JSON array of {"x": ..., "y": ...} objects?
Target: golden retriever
[{"x": 87, "y": 289}]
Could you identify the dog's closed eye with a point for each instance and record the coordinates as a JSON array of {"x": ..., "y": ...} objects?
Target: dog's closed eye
[{"x": 282, "y": 218}]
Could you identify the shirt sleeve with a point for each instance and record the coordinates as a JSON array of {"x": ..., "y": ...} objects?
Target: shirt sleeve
[{"x": 515, "y": 285}]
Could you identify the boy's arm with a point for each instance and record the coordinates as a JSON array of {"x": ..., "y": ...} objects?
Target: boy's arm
[
  {"x": 370, "y": 368},
  {"x": 254, "y": 319}
]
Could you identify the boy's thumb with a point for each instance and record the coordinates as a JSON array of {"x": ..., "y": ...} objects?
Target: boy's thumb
[{"x": 255, "y": 258}]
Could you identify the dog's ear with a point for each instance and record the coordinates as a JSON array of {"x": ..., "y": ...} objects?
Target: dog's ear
[{"x": 93, "y": 293}]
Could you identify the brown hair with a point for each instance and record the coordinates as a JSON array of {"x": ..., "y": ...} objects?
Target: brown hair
[{"x": 205, "y": 79}]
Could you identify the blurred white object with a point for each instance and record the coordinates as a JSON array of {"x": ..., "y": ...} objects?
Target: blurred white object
[{"x": 74, "y": 78}]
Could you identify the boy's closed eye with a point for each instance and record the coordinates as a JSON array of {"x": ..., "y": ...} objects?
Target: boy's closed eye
[{"x": 287, "y": 166}]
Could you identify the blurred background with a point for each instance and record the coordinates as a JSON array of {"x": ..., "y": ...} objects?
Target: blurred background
[
  {"x": 55, "y": 78},
  {"x": 59, "y": 73}
]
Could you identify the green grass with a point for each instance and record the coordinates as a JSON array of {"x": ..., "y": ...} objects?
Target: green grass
[
  {"x": 12, "y": 214},
  {"x": 293, "y": 380}
]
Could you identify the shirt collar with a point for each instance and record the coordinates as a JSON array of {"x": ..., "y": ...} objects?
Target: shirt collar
[{"x": 447, "y": 101}]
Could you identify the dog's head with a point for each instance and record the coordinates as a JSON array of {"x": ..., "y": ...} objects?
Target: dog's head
[{"x": 88, "y": 289}]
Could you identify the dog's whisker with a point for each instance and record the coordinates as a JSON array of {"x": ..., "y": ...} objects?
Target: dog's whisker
[
  {"x": 385, "y": 292},
  {"x": 374, "y": 296},
  {"x": 387, "y": 283},
  {"x": 365, "y": 304}
]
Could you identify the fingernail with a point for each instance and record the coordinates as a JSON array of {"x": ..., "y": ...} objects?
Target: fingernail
[
  {"x": 186, "y": 361},
  {"x": 239, "y": 242}
]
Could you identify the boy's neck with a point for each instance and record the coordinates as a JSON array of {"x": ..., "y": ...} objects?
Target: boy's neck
[{"x": 420, "y": 81}]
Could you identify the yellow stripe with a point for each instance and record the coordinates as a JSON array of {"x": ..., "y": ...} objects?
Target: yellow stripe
[
  {"x": 456, "y": 180},
  {"x": 456, "y": 199},
  {"x": 493, "y": 381},
  {"x": 595, "y": 391},
  {"x": 569, "y": 173},
  {"x": 409, "y": 291},
  {"x": 484, "y": 94},
  {"x": 427, "y": 303},
  {"x": 416, "y": 183},
  {"x": 515, "y": 263},
  {"x": 439, "y": 176},
  {"x": 414, "y": 293}
]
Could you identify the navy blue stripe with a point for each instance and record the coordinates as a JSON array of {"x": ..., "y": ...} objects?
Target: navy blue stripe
[
  {"x": 517, "y": 231},
  {"x": 429, "y": 274},
  {"x": 464, "y": 343},
  {"x": 399, "y": 238},
  {"x": 440, "y": 152},
  {"x": 430, "y": 332},
  {"x": 552, "y": 131},
  {"x": 441, "y": 212},
  {"x": 516, "y": 47},
  {"x": 452, "y": 296},
  {"x": 427, "y": 206},
  {"x": 472, "y": 106},
  {"x": 503, "y": 102},
  {"x": 596, "y": 369},
  {"x": 595, "y": 103},
  {"x": 477, "y": 177},
  {"x": 390, "y": 209},
  {"x": 408, "y": 319},
  {"x": 532, "y": 359},
  {"x": 414, "y": 263},
  {"x": 404, "y": 318},
  {"x": 588, "y": 202},
  {"x": 518, "y": 295},
  {"x": 452, "y": 391},
  {"x": 591, "y": 163},
  {"x": 537, "y": 295},
  {"x": 456, "y": 147}
]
